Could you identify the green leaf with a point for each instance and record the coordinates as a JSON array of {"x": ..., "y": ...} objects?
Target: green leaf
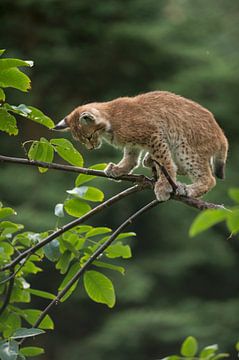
[
  {"x": 42, "y": 151},
  {"x": 24, "y": 333},
  {"x": 43, "y": 294},
  {"x": 76, "y": 207},
  {"x": 67, "y": 245},
  {"x": 15, "y": 78},
  {"x": 125, "y": 235},
  {"x": 220, "y": 356},
  {"x": 233, "y": 221},
  {"x": 81, "y": 229},
  {"x": 2, "y": 95},
  {"x": 72, "y": 271},
  {"x": 118, "y": 250},
  {"x": 39, "y": 117},
  {"x": 189, "y": 347},
  {"x": 208, "y": 350},
  {"x": 8, "y": 227},
  {"x": 8, "y": 123},
  {"x": 12, "y": 323},
  {"x": 31, "y": 316},
  {"x": 237, "y": 346},
  {"x": 207, "y": 219},
  {"x": 52, "y": 250},
  {"x": 32, "y": 351},
  {"x": 98, "y": 231},
  {"x": 99, "y": 288},
  {"x": 82, "y": 178},
  {"x": 30, "y": 268},
  {"x": 234, "y": 194},
  {"x": 66, "y": 151},
  {"x": 5, "y": 212},
  {"x": 105, "y": 265},
  {"x": 87, "y": 193},
  {"x": 10, "y": 63},
  {"x": 64, "y": 262},
  {"x": 59, "y": 210},
  {"x": 2, "y": 51},
  {"x": 9, "y": 350},
  {"x": 31, "y": 113}
]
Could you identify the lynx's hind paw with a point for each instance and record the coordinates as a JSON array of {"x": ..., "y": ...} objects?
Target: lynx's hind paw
[{"x": 162, "y": 191}]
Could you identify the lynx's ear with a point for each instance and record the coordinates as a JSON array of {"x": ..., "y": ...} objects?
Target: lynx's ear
[
  {"x": 87, "y": 118},
  {"x": 61, "y": 126}
]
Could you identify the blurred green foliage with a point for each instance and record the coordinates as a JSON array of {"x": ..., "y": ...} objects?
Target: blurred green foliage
[{"x": 90, "y": 50}]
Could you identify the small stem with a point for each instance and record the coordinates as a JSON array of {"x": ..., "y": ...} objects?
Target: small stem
[{"x": 8, "y": 295}]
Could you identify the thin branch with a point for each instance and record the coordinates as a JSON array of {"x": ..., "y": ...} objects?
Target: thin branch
[
  {"x": 93, "y": 257},
  {"x": 197, "y": 203},
  {"x": 13, "y": 274},
  {"x": 8, "y": 295},
  {"x": 76, "y": 169},
  {"x": 72, "y": 224}
]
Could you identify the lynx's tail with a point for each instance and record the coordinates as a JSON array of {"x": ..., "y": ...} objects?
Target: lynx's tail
[{"x": 219, "y": 160}]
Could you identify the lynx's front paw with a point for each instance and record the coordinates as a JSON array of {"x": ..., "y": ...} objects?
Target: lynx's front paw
[
  {"x": 114, "y": 170},
  {"x": 162, "y": 191}
]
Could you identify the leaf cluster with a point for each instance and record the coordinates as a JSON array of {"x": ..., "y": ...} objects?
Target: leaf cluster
[
  {"x": 68, "y": 252},
  {"x": 189, "y": 351}
]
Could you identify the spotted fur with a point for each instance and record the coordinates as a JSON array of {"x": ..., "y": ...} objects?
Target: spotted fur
[{"x": 176, "y": 132}]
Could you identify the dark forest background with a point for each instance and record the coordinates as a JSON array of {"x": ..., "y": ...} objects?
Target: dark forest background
[{"x": 97, "y": 50}]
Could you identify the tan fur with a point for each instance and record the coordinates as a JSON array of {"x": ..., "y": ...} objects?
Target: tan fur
[{"x": 176, "y": 132}]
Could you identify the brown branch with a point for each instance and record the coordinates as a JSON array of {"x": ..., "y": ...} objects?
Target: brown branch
[
  {"x": 197, "y": 203},
  {"x": 76, "y": 169},
  {"x": 93, "y": 257},
  {"x": 72, "y": 224},
  {"x": 8, "y": 295}
]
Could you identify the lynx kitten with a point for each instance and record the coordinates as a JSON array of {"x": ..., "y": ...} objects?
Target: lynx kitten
[{"x": 178, "y": 133}]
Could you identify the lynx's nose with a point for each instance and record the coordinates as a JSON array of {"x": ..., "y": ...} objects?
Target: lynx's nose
[{"x": 61, "y": 126}]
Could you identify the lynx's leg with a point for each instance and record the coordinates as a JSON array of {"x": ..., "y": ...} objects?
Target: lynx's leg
[
  {"x": 163, "y": 156},
  {"x": 126, "y": 165},
  {"x": 202, "y": 180}
]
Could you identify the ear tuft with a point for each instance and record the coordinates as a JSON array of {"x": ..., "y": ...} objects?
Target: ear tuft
[{"x": 86, "y": 118}]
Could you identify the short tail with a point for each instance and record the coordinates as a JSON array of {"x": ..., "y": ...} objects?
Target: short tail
[{"x": 219, "y": 160}]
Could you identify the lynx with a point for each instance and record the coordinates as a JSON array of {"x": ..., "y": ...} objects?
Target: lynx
[{"x": 175, "y": 132}]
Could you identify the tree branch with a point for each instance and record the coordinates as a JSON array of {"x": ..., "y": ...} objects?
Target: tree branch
[
  {"x": 93, "y": 257},
  {"x": 76, "y": 169},
  {"x": 72, "y": 224}
]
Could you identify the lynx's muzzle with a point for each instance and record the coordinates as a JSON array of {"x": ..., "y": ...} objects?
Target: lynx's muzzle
[{"x": 61, "y": 126}]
